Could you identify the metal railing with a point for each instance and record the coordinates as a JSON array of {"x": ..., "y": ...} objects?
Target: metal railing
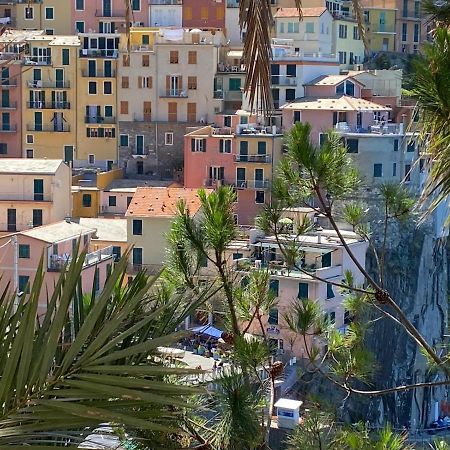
[
  {"x": 8, "y": 105},
  {"x": 119, "y": 13},
  {"x": 283, "y": 80},
  {"x": 111, "y": 120},
  {"x": 8, "y": 127},
  {"x": 8, "y": 82},
  {"x": 179, "y": 93},
  {"x": 98, "y": 74},
  {"x": 53, "y": 128},
  {"x": 222, "y": 131},
  {"x": 48, "y": 105},
  {"x": 38, "y": 60},
  {"x": 25, "y": 197},
  {"x": 40, "y": 84},
  {"x": 253, "y": 158},
  {"x": 98, "y": 53},
  {"x": 252, "y": 184},
  {"x": 57, "y": 263}
]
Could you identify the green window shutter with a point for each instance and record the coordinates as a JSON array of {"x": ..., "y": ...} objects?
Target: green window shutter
[{"x": 65, "y": 57}]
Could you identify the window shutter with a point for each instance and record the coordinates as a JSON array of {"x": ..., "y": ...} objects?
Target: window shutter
[
  {"x": 139, "y": 82},
  {"x": 150, "y": 82},
  {"x": 221, "y": 146},
  {"x": 193, "y": 144},
  {"x": 204, "y": 145},
  {"x": 181, "y": 83},
  {"x": 167, "y": 82}
]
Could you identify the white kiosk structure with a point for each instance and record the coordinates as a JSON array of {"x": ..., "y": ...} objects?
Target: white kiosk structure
[{"x": 288, "y": 412}]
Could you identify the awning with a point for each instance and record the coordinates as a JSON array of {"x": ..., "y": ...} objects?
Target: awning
[
  {"x": 208, "y": 330},
  {"x": 235, "y": 54}
]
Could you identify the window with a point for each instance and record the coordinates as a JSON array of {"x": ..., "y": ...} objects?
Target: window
[
  {"x": 237, "y": 256},
  {"x": 37, "y": 217},
  {"x": 309, "y": 27},
  {"x": 352, "y": 145},
  {"x": 137, "y": 227},
  {"x": 417, "y": 9},
  {"x": 92, "y": 88},
  {"x": 343, "y": 31},
  {"x": 225, "y": 146},
  {"x": 145, "y": 39},
  {"x": 30, "y": 139},
  {"x": 293, "y": 27},
  {"x": 172, "y": 112},
  {"x": 49, "y": 13},
  {"x": 112, "y": 200},
  {"x": 347, "y": 87},
  {"x": 136, "y": 5},
  {"x": 168, "y": 138},
  {"x": 65, "y": 57},
  {"x": 394, "y": 169},
  {"x": 234, "y": 84},
  {"x": 107, "y": 87},
  {"x": 91, "y": 159},
  {"x": 174, "y": 57},
  {"x": 24, "y": 251},
  {"x": 125, "y": 82},
  {"x": 29, "y": 14},
  {"x": 416, "y": 32},
  {"x": 24, "y": 284},
  {"x": 198, "y": 145},
  {"x": 3, "y": 148},
  {"x": 259, "y": 197},
  {"x": 378, "y": 170},
  {"x": 297, "y": 116},
  {"x": 273, "y": 316},
  {"x": 274, "y": 287},
  {"x": 79, "y": 26},
  {"x": 303, "y": 290},
  {"x": 411, "y": 147},
  {"x": 108, "y": 111},
  {"x": 137, "y": 256},
  {"x": 395, "y": 145},
  {"x": 404, "y": 32},
  {"x": 342, "y": 57},
  {"x": 323, "y": 138},
  {"x": 126, "y": 60},
  {"x": 123, "y": 107},
  {"x": 124, "y": 140},
  {"x": 326, "y": 259},
  {"x": 281, "y": 27},
  {"x": 192, "y": 57},
  {"x": 87, "y": 200},
  {"x": 407, "y": 172},
  {"x": 330, "y": 318},
  {"x": 192, "y": 83},
  {"x": 117, "y": 252},
  {"x": 30, "y": 153},
  {"x": 79, "y": 5},
  {"x": 204, "y": 13},
  {"x": 330, "y": 292},
  {"x": 356, "y": 35},
  {"x": 290, "y": 95},
  {"x": 145, "y": 60},
  {"x": 145, "y": 82},
  {"x": 38, "y": 187}
]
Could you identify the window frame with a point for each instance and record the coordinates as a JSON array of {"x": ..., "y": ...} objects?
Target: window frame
[
  {"x": 24, "y": 251},
  {"x": 135, "y": 229}
]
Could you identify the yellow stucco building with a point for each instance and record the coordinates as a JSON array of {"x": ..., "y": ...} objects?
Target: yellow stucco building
[{"x": 380, "y": 22}]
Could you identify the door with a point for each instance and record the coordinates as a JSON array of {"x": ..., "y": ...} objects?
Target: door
[
  {"x": 137, "y": 256},
  {"x": 243, "y": 151},
  {"x": 385, "y": 44},
  {"x": 175, "y": 86},
  {"x": 107, "y": 10},
  {"x": 68, "y": 154},
  {"x": 5, "y": 98},
  {"x": 147, "y": 111},
  {"x": 38, "y": 189},
  {"x": 38, "y": 121},
  {"x": 11, "y": 218},
  {"x": 93, "y": 113},
  {"x": 37, "y": 217},
  {"x": 140, "y": 167},
  {"x": 259, "y": 178},
  {"x": 6, "y": 121},
  {"x": 58, "y": 121},
  {"x": 139, "y": 144},
  {"x": 37, "y": 99},
  {"x": 216, "y": 173},
  {"x": 108, "y": 68},
  {"x": 240, "y": 177},
  {"x": 59, "y": 73},
  {"x": 358, "y": 120},
  {"x": 92, "y": 68},
  {"x": 275, "y": 72},
  {"x": 59, "y": 99}
]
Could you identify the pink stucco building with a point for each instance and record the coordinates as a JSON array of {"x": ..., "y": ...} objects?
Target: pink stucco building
[
  {"x": 106, "y": 16},
  {"x": 56, "y": 243},
  {"x": 234, "y": 151}
]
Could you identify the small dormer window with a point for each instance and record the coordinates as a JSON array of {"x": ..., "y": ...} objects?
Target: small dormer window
[{"x": 346, "y": 88}]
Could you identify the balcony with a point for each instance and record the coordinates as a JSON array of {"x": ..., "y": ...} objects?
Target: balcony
[
  {"x": 227, "y": 131},
  {"x": 116, "y": 13},
  {"x": 252, "y": 184},
  {"x": 8, "y": 128},
  {"x": 98, "y": 53},
  {"x": 37, "y": 60},
  {"x": 8, "y": 105},
  {"x": 48, "y": 105},
  {"x": 6, "y": 83},
  {"x": 40, "y": 84},
  {"x": 174, "y": 93},
  {"x": 58, "y": 263},
  {"x": 283, "y": 80},
  {"x": 387, "y": 128},
  {"x": 149, "y": 269},
  {"x": 218, "y": 94},
  {"x": 24, "y": 197},
  {"x": 52, "y": 128},
  {"x": 98, "y": 74},
  {"x": 10, "y": 56},
  {"x": 229, "y": 68},
  {"x": 166, "y": 2},
  {"x": 110, "y": 120},
  {"x": 253, "y": 158}
]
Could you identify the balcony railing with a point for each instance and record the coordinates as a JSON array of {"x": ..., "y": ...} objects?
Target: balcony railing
[
  {"x": 38, "y": 60},
  {"x": 252, "y": 184},
  {"x": 282, "y": 80},
  {"x": 253, "y": 158},
  {"x": 98, "y": 53},
  {"x": 58, "y": 263},
  {"x": 10, "y": 56},
  {"x": 227, "y": 68},
  {"x": 149, "y": 269},
  {"x": 110, "y": 120},
  {"x": 24, "y": 197},
  {"x": 178, "y": 93},
  {"x": 98, "y": 74},
  {"x": 6, "y": 83},
  {"x": 48, "y": 105},
  {"x": 117, "y": 13},
  {"x": 227, "y": 131},
  {"x": 8, "y": 105},
  {"x": 7, "y": 127},
  {"x": 304, "y": 56},
  {"x": 166, "y": 2},
  {"x": 53, "y": 128},
  {"x": 40, "y": 84}
]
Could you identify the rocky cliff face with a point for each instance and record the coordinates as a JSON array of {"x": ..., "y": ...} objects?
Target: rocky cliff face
[{"x": 417, "y": 278}]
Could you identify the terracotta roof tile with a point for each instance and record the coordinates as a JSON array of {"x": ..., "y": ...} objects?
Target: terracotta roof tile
[
  {"x": 162, "y": 202},
  {"x": 306, "y": 12}
]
